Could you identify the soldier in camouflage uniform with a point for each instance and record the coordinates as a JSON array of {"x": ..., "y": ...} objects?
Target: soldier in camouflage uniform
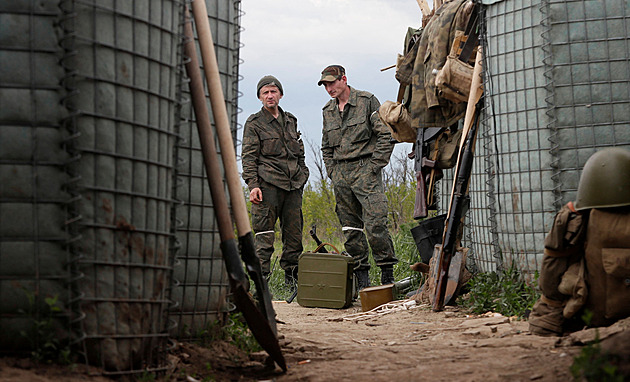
[
  {"x": 355, "y": 147},
  {"x": 275, "y": 172}
]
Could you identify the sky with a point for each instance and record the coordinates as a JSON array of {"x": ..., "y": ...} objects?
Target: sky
[{"x": 294, "y": 40}]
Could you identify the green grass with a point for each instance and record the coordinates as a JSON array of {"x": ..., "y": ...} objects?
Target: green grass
[
  {"x": 234, "y": 331},
  {"x": 506, "y": 293},
  {"x": 593, "y": 364},
  {"x": 43, "y": 336}
]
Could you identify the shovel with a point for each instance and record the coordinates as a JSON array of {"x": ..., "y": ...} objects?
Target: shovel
[
  {"x": 228, "y": 154},
  {"x": 459, "y": 195},
  {"x": 262, "y": 326}
]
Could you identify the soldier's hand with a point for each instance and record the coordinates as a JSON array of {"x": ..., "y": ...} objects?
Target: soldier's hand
[{"x": 255, "y": 196}]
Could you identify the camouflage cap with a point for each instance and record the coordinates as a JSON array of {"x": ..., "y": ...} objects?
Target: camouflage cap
[
  {"x": 268, "y": 80},
  {"x": 331, "y": 73}
]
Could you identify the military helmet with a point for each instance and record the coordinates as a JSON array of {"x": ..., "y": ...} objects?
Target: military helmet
[{"x": 605, "y": 180}]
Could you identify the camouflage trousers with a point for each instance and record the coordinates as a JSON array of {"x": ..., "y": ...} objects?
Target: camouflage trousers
[
  {"x": 362, "y": 207},
  {"x": 286, "y": 206}
]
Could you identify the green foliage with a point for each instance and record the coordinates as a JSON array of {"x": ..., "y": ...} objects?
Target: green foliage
[
  {"x": 146, "y": 376},
  {"x": 318, "y": 208},
  {"x": 593, "y": 364},
  {"x": 506, "y": 293},
  {"x": 43, "y": 335},
  {"x": 400, "y": 188},
  {"x": 277, "y": 287},
  {"x": 235, "y": 331}
]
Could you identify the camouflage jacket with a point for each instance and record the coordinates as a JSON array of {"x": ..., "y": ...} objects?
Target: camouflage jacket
[
  {"x": 355, "y": 133},
  {"x": 272, "y": 152},
  {"x": 429, "y": 53}
]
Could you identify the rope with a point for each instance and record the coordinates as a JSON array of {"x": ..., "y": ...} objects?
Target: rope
[{"x": 384, "y": 309}]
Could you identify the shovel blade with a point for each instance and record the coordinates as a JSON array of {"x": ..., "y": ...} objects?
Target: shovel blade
[
  {"x": 261, "y": 327},
  {"x": 454, "y": 271},
  {"x": 258, "y": 325},
  {"x": 254, "y": 269}
]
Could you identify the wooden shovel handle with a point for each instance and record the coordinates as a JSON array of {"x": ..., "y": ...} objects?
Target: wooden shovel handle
[
  {"x": 219, "y": 111},
  {"x": 206, "y": 138}
]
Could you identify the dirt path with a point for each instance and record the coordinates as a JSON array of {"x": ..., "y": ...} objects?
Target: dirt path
[{"x": 415, "y": 344}]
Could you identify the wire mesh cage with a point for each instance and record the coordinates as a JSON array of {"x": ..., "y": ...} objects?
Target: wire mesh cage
[
  {"x": 103, "y": 190},
  {"x": 556, "y": 90},
  {"x": 33, "y": 257}
]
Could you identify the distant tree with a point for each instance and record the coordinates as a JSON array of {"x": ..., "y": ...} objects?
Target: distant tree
[
  {"x": 400, "y": 187},
  {"x": 318, "y": 204}
]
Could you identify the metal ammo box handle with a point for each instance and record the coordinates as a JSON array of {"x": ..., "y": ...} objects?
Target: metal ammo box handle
[{"x": 319, "y": 247}]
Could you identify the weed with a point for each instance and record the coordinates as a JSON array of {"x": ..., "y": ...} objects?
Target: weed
[
  {"x": 235, "y": 332},
  {"x": 146, "y": 376},
  {"x": 504, "y": 293},
  {"x": 239, "y": 334},
  {"x": 213, "y": 332},
  {"x": 43, "y": 336},
  {"x": 593, "y": 364},
  {"x": 209, "y": 378}
]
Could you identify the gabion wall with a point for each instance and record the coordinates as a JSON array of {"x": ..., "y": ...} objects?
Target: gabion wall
[
  {"x": 33, "y": 162},
  {"x": 557, "y": 80},
  {"x": 103, "y": 191}
]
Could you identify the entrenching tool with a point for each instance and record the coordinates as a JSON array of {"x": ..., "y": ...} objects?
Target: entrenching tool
[
  {"x": 447, "y": 280},
  {"x": 261, "y": 321}
]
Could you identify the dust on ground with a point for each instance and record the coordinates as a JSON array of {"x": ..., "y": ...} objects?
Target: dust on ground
[{"x": 347, "y": 345}]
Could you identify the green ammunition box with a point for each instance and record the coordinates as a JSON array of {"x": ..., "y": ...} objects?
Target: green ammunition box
[{"x": 325, "y": 280}]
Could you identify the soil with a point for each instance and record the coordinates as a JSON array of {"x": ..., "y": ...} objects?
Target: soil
[{"x": 402, "y": 342}]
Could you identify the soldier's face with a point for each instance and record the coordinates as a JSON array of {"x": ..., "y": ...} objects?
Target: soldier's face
[
  {"x": 336, "y": 87},
  {"x": 270, "y": 96}
]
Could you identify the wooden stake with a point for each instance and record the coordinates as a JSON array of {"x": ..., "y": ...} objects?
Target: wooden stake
[{"x": 424, "y": 7}]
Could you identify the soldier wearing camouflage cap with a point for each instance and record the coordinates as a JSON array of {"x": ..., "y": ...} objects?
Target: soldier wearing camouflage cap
[
  {"x": 275, "y": 172},
  {"x": 355, "y": 147}
]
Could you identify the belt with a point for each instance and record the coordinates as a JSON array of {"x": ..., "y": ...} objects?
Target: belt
[{"x": 353, "y": 159}]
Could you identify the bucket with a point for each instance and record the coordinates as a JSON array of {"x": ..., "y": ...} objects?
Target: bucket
[
  {"x": 371, "y": 297},
  {"x": 427, "y": 234}
]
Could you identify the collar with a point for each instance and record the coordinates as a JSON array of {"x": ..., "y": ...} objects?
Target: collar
[
  {"x": 352, "y": 100},
  {"x": 268, "y": 117}
]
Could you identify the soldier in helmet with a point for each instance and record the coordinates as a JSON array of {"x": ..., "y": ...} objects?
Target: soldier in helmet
[
  {"x": 275, "y": 172},
  {"x": 355, "y": 147},
  {"x": 586, "y": 263}
]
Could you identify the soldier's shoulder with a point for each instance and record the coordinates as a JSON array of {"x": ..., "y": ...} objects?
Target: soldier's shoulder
[
  {"x": 255, "y": 116},
  {"x": 364, "y": 94},
  {"x": 252, "y": 118},
  {"x": 290, "y": 115},
  {"x": 330, "y": 104}
]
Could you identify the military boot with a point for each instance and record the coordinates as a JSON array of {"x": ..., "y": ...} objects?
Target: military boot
[
  {"x": 290, "y": 278},
  {"x": 387, "y": 274},
  {"x": 363, "y": 278}
]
